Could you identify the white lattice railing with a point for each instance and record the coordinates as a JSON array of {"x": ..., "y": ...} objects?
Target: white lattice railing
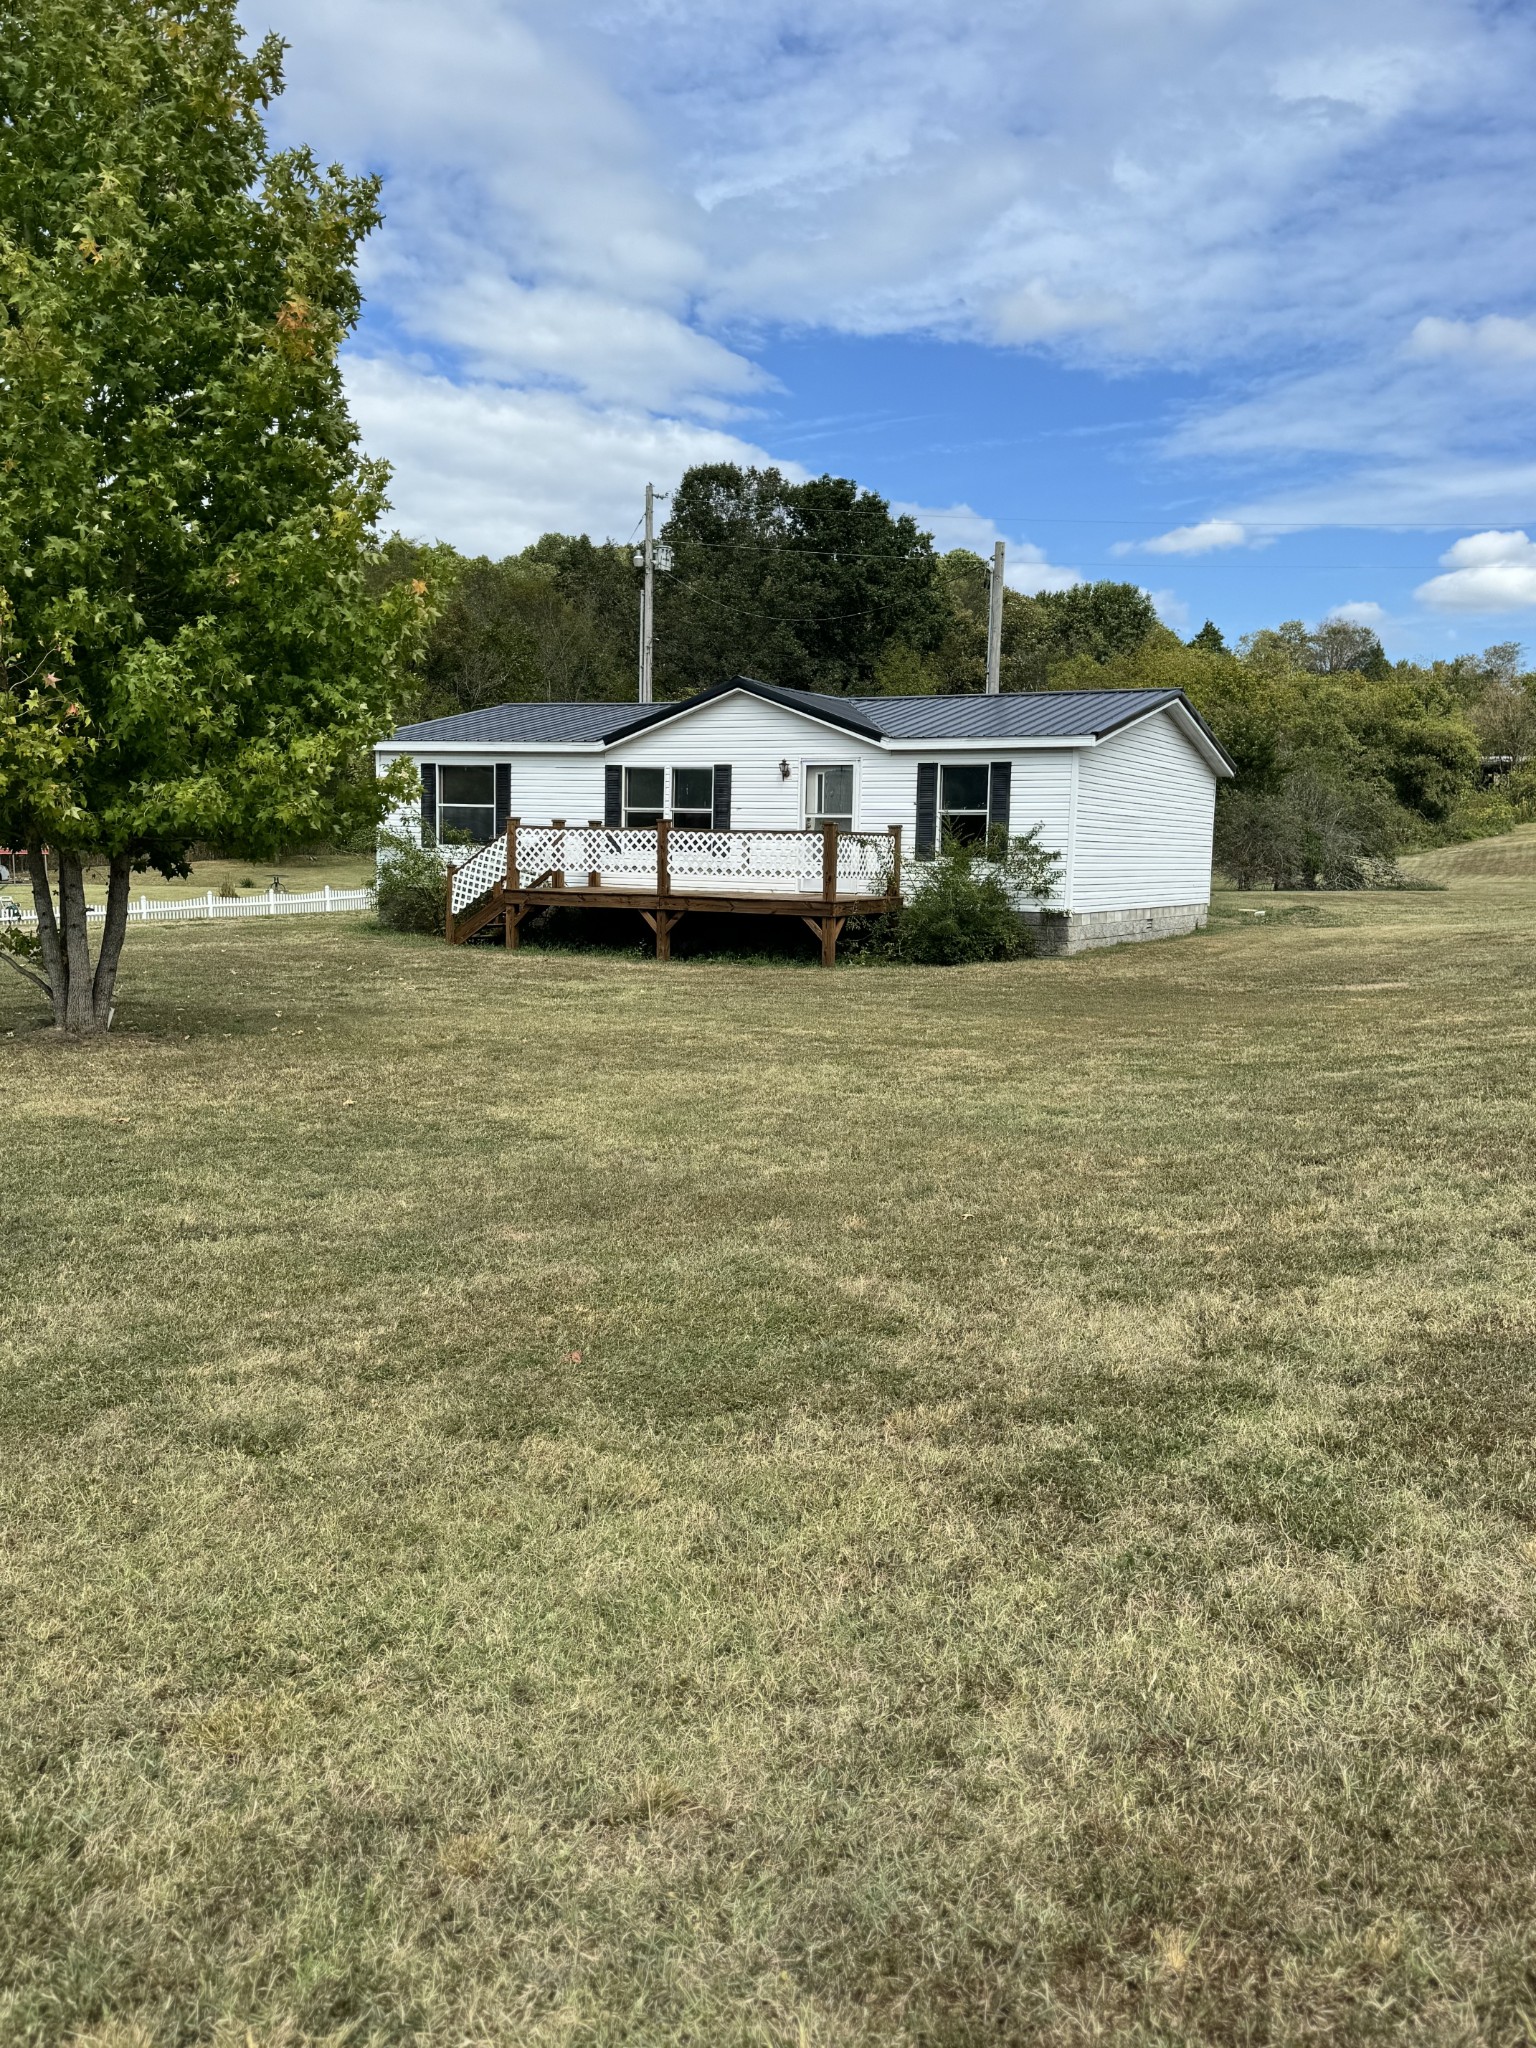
[{"x": 782, "y": 863}]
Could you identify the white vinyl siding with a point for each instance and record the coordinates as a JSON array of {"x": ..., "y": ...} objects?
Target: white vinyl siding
[
  {"x": 1143, "y": 804},
  {"x": 1145, "y": 807}
]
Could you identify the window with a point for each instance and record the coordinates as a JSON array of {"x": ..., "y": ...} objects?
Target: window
[
  {"x": 829, "y": 795},
  {"x": 645, "y": 795},
  {"x": 693, "y": 798},
  {"x": 466, "y": 805},
  {"x": 963, "y": 796}
]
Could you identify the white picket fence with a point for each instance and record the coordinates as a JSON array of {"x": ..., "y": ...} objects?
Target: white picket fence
[{"x": 210, "y": 908}]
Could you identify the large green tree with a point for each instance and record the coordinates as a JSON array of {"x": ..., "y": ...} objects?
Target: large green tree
[
  {"x": 805, "y": 584},
  {"x": 190, "y": 648},
  {"x": 559, "y": 620}
]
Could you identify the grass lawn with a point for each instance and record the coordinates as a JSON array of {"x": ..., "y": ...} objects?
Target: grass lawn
[{"x": 545, "y": 1499}]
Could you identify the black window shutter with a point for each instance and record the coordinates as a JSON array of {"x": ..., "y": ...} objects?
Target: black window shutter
[
  {"x": 613, "y": 795},
  {"x": 721, "y": 820},
  {"x": 503, "y": 795},
  {"x": 429, "y": 799},
  {"x": 1000, "y": 796},
  {"x": 927, "y": 809}
]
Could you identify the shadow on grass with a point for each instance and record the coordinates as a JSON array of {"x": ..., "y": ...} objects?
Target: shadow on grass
[{"x": 730, "y": 940}]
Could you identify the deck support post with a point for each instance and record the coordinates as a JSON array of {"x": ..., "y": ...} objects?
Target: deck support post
[
  {"x": 894, "y": 891},
  {"x": 558, "y": 825},
  {"x": 448, "y": 930},
  {"x": 829, "y": 930},
  {"x": 514, "y": 917},
  {"x": 661, "y": 923},
  {"x": 594, "y": 879},
  {"x": 829, "y": 862}
]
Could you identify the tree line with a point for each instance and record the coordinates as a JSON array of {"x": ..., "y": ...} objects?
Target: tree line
[
  {"x": 815, "y": 585},
  {"x": 1344, "y": 758}
]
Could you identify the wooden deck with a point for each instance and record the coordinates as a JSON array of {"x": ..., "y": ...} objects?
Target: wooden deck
[{"x": 663, "y": 874}]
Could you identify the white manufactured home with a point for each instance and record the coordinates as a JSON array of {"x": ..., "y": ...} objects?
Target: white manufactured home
[{"x": 747, "y": 792}]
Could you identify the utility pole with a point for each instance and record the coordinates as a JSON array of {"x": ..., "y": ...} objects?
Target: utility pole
[
  {"x": 648, "y": 598},
  {"x": 995, "y": 624}
]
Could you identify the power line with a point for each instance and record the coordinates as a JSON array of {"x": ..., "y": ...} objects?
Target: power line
[{"x": 768, "y": 549}]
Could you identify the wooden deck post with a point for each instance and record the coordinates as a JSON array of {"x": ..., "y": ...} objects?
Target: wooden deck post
[
  {"x": 829, "y": 860},
  {"x": 594, "y": 879},
  {"x": 509, "y": 887},
  {"x": 895, "y": 888},
  {"x": 829, "y": 930},
  {"x": 661, "y": 923},
  {"x": 448, "y": 909},
  {"x": 558, "y": 825}
]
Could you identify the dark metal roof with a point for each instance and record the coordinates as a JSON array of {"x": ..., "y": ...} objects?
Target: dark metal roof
[
  {"x": 1029, "y": 715},
  {"x": 1025, "y": 715},
  {"x": 529, "y": 725}
]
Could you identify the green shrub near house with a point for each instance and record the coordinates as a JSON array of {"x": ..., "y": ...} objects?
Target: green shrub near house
[
  {"x": 410, "y": 894},
  {"x": 963, "y": 907}
]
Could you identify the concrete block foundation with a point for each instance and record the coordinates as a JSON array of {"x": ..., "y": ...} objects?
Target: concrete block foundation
[{"x": 1079, "y": 931}]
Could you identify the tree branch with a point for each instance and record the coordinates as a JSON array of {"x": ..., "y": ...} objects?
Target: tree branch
[{"x": 26, "y": 973}]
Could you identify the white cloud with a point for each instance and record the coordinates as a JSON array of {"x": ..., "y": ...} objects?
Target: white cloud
[
  {"x": 1201, "y": 539},
  {"x": 490, "y": 469},
  {"x": 1378, "y": 81},
  {"x": 1170, "y": 608},
  {"x": 610, "y": 348},
  {"x": 1496, "y": 338},
  {"x": 620, "y": 202},
  {"x": 1360, "y": 612},
  {"x": 1437, "y": 490},
  {"x": 1486, "y": 572},
  {"x": 1025, "y": 567}
]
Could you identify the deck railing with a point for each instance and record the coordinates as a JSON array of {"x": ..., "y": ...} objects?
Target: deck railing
[{"x": 667, "y": 859}]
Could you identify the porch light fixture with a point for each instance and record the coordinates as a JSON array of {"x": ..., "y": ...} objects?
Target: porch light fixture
[{"x": 784, "y": 770}]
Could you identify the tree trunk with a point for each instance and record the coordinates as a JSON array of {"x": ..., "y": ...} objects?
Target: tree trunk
[
  {"x": 48, "y": 935},
  {"x": 113, "y": 932},
  {"x": 79, "y": 1014},
  {"x": 82, "y": 1000}
]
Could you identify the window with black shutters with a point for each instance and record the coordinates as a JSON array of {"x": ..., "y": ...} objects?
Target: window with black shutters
[
  {"x": 466, "y": 805},
  {"x": 963, "y": 803}
]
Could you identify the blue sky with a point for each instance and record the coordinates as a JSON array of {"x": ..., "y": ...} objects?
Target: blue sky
[{"x": 1235, "y": 300}]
